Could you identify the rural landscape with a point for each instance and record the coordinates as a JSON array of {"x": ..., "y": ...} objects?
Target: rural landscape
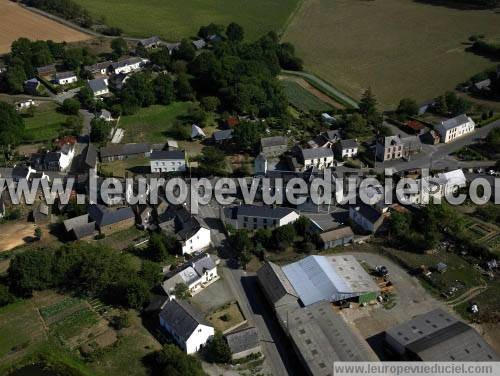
[{"x": 267, "y": 188}]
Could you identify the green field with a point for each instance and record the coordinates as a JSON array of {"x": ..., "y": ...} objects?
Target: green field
[
  {"x": 177, "y": 19},
  {"x": 45, "y": 125},
  {"x": 401, "y": 48},
  {"x": 301, "y": 99},
  {"x": 152, "y": 124}
]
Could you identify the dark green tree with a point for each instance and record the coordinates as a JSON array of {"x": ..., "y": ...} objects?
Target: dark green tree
[
  {"x": 70, "y": 106},
  {"x": 186, "y": 51},
  {"x": 164, "y": 89},
  {"x": 172, "y": 361},
  {"x": 119, "y": 47},
  {"x": 11, "y": 125},
  {"x": 234, "y": 32},
  {"x": 217, "y": 350}
]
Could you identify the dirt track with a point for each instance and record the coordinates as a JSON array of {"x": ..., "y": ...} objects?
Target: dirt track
[{"x": 16, "y": 22}]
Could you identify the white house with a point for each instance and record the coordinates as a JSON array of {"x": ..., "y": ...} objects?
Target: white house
[
  {"x": 347, "y": 148},
  {"x": 320, "y": 158},
  {"x": 65, "y": 78},
  {"x": 168, "y": 161},
  {"x": 25, "y": 104},
  {"x": 456, "y": 127},
  {"x": 132, "y": 64},
  {"x": 99, "y": 86},
  {"x": 255, "y": 217},
  {"x": 186, "y": 325},
  {"x": 190, "y": 230},
  {"x": 196, "y": 274}
]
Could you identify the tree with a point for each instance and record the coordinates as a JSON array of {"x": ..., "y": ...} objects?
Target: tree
[
  {"x": 11, "y": 125},
  {"x": 136, "y": 293},
  {"x": 440, "y": 107},
  {"x": 38, "y": 233},
  {"x": 119, "y": 47},
  {"x": 70, "y": 106},
  {"x": 302, "y": 225},
  {"x": 186, "y": 51},
  {"x": 5, "y": 296},
  {"x": 157, "y": 249},
  {"x": 234, "y": 32},
  {"x": 151, "y": 273},
  {"x": 247, "y": 135},
  {"x": 284, "y": 235},
  {"x": 15, "y": 78},
  {"x": 210, "y": 29},
  {"x": 407, "y": 107},
  {"x": 212, "y": 162},
  {"x": 120, "y": 321},
  {"x": 210, "y": 103},
  {"x": 181, "y": 291},
  {"x": 183, "y": 89},
  {"x": 357, "y": 126},
  {"x": 161, "y": 58},
  {"x": 217, "y": 350},
  {"x": 368, "y": 103},
  {"x": 30, "y": 271},
  {"x": 164, "y": 89},
  {"x": 172, "y": 361},
  {"x": 100, "y": 130}
]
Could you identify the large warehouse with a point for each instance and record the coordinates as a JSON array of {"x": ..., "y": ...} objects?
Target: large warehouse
[{"x": 330, "y": 278}]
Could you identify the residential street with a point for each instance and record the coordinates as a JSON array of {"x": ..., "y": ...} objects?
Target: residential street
[{"x": 438, "y": 156}]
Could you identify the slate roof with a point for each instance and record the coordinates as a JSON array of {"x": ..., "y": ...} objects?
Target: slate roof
[
  {"x": 84, "y": 231},
  {"x": 91, "y": 156},
  {"x": 336, "y": 234},
  {"x": 62, "y": 75},
  {"x": 112, "y": 150},
  {"x": 47, "y": 69},
  {"x": 150, "y": 41},
  {"x": 242, "y": 340},
  {"x": 368, "y": 212},
  {"x": 454, "y": 122},
  {"x": 98, "y": 66},
  {"x": 389, "y": 141},
  {"x": 263, "y": 211},
  {"x": 104, "y": 216},
  {"x": 316, "y": 153},
  {"x": 273, "y": 141},
  {"x": 203, "y": 264},
  {"x": 182, "y": 317},
  {"x": 199, "y": 44},
  {"x": 97, "y": 84},
  {"x": 483, "y": 84},
  {"x": 348, "y": 144},
  {"x": 438, "y": 336},
  {"x": 70, "y": 224},
  {"x": 169, "y": 155},
  {"x": 125, "y": 62},
  {"x": 275, "y": 282},
  {"x": 223, "y": 135}
]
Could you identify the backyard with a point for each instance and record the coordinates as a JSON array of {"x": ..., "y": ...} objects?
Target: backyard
[
  {"x": 45, "y": 125},
  {"x": 302, "y": 99},
  {"x": 177, "y": 19},
  {"x": 401, "y": 48}
]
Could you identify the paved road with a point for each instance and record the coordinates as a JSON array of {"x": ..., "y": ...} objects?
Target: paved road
[
  {"x": 438, "y": 156},
  {"x": 276, "y": 348}
]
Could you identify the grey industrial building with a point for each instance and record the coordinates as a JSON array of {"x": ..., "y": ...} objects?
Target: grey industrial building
[
  {"x": 438, "y": 336},
  {"x": 319, "y": 335}
]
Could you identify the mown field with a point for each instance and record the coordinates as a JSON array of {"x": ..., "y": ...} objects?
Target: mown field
[
  {"x": 400, "y": 48},
  {"x": 176, "y": 19},
  {"x": 17, "y": 22},
  {"x": 45, "y": 125}
]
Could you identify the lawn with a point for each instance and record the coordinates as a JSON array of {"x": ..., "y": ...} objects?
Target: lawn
[
  {"x": 45, "y": 125},
  {"x": 177, "y": 19},
  {"x": 401, "y": 48},
  {"x": 301, "y": 99},
  {"x": 152, "y": 124},
  {"x": 226, "y": 317}
]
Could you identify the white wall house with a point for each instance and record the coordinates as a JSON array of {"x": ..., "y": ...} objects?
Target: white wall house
[
  {"x": 366, "y": 217},
  {"x": 196, "y": 274},
  {"x": 129, "y": 65},
  {"x": 186, "y": 325},
  {"x": 99, "y": 86},
  {"x": 65, "y": 78},
  {"x": 254, "y": 217},
  {"x": 67, "y": 154},
  {"x": 456, "y": 127},
  {"x": 197, "y": 241},
  {"x": 320, "y": 158},
  {"x": 168, "y": 161},
  {"x": 348, "y": 148}
]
